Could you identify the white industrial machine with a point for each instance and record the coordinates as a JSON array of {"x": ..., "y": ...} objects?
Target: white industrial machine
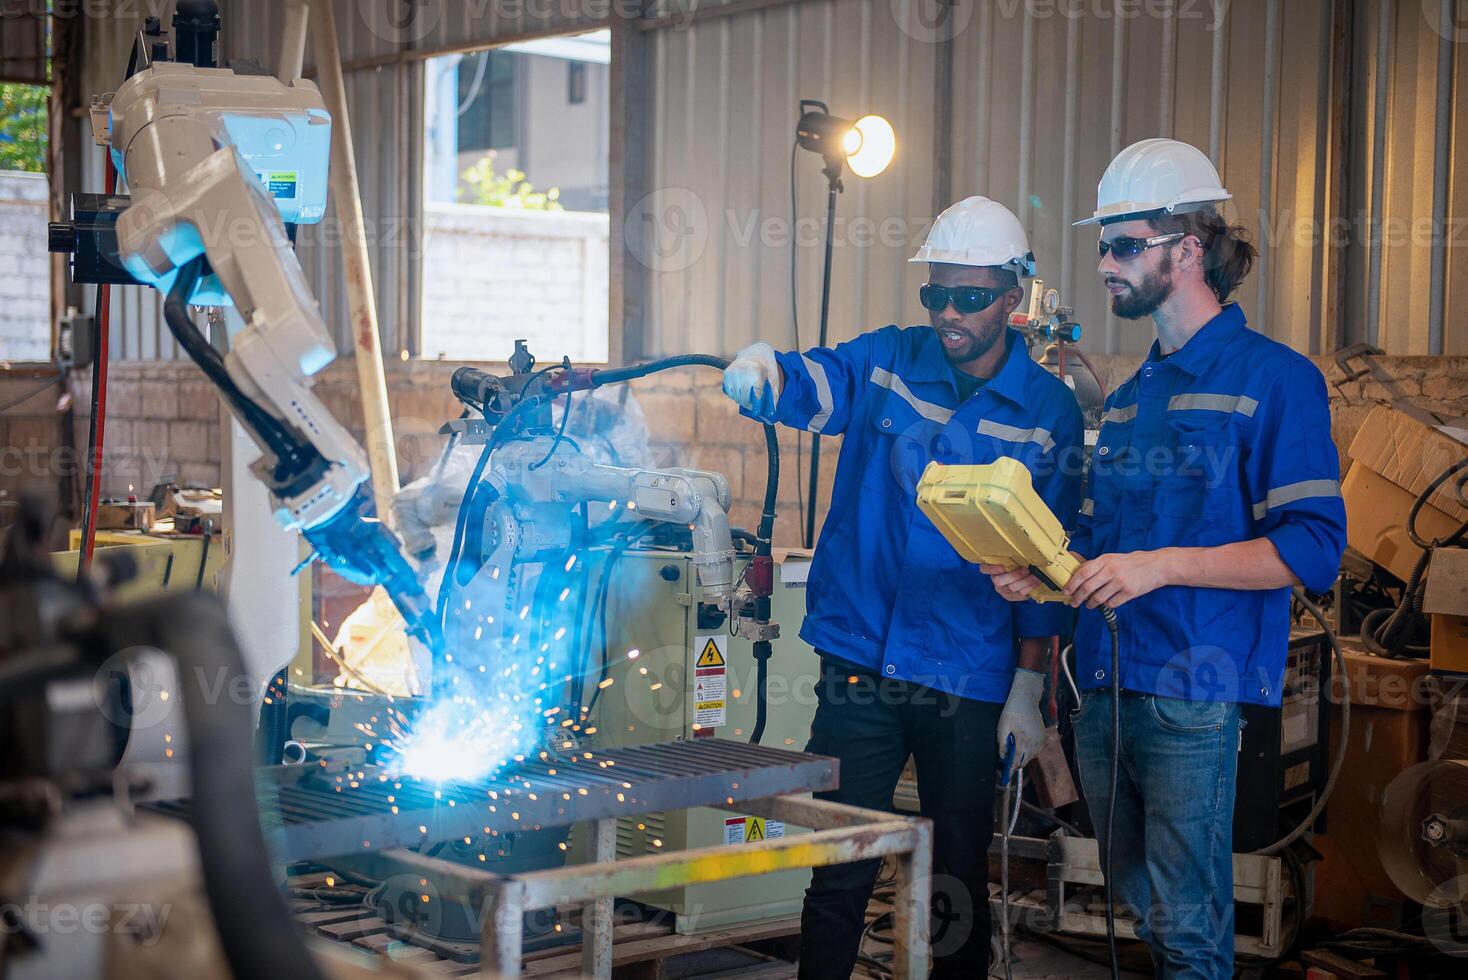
[
  {"x": 216, "y": 163},
  {"x": 635, "y": 579}
]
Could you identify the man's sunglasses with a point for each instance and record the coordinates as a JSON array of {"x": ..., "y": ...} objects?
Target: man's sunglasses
[
  {"x": 1129, "y": 248},
  {"x": 965, "y": 299}
]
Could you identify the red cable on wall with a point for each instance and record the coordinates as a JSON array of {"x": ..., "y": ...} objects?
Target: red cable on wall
[{"x": 99, "y": 408}]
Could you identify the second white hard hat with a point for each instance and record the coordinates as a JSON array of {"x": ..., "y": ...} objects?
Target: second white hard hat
[
  {"x": 978, "y": 231},
  {"x": 1156, "y": 175}
]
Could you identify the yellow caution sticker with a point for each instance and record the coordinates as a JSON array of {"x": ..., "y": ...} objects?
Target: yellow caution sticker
[
  {"x": 712, "y": 655},
  {"x": 710, "y": 682},
  {"x": 747, "y": 830}
]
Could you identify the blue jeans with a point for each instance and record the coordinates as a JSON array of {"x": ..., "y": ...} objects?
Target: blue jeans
[{"x": 1173, "y": 853}]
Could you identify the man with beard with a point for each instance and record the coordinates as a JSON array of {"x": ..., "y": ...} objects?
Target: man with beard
[
  {"x": 920, "y": 656},
  {"x": 1214, "y": 488}
]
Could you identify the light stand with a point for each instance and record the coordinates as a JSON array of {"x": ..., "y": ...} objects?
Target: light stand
[{"x": 868, "y": 144}]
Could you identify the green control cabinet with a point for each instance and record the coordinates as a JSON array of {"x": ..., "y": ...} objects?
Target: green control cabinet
[{"x": 671, "y": 678}]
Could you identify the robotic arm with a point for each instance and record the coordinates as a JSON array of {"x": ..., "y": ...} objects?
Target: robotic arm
[
  {"x": 531, "y": 491},
  {"x": 213, "y": 161}
]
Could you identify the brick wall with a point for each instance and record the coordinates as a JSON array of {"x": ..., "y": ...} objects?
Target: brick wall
[
  {"x": 34, "y": 454},
  {"x": 25, "y": 268},
  {"x": 491, "y": 275},
  {"x": 163, "y": 419}
]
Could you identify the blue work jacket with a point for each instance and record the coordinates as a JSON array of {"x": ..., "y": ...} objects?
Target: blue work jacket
[
  {"x": 887, "y": 592},
  {"x": 1227, "y": 439}
]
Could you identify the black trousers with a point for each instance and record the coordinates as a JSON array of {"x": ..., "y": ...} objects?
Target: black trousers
[{"x": 872, "y": 724}]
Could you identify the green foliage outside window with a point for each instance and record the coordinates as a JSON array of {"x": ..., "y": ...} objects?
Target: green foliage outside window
[
  {"x": 23, "y": 127},
  {"x": 507, "y": 190}
]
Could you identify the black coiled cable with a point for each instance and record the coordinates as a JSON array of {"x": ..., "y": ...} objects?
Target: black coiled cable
[{"x": 1109, "y": 615}]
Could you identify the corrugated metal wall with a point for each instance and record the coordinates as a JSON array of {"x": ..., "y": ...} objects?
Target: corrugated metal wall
[
  {"x": 726, "y": 99},
  {"x": 383, "y": 56},
  {"x": 1408, "y": 169},
  {"x": 23, "y": 44},
  {"x": 1039, "y": 104},
  {"x": 1344, "y": 162}
]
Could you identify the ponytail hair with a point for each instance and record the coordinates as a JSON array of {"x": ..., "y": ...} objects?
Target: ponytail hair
[{"x": 1228, "y": 255}]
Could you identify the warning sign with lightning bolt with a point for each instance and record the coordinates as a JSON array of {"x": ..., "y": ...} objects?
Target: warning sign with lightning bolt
[{"x": 710, "y": 682}]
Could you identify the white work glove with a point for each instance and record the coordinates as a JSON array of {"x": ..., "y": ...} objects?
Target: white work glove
[
  {"x": 753, "y": 380},
  {"x": 1021, "y": 718}
]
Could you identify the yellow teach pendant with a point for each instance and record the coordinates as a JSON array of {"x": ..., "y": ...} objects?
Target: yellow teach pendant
[{"x": 992, "y": 515}]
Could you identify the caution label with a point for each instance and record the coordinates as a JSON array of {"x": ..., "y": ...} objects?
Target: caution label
[
  {"x": 281, "y": 183},
  {"x": 712, "y": 652},
  {"x": 747, "y": 830},
  {"x": 710, "y": 682}
]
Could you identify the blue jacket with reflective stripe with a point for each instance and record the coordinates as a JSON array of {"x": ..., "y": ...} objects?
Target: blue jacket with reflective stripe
[
  {"x": 1227, "y": 439},
  {"x": 887, "y": 592}
]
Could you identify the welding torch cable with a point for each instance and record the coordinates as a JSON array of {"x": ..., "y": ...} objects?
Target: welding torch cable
[
  {"x": 1015, "y": 787},
  {"x": 1386, "y": 631},
  {"x": 617, "y": 375},
  {"x": 1109, "y": 615},
  {"x": 1069, "y": 677},
  {"x": 1340, "y": 753}
]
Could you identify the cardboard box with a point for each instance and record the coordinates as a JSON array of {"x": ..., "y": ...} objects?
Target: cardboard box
[
  {"x": 1446, "y": 599},
  {"x": 1395, "y": 457},
  {"x": 1390, "y": 702},
  {"x": 1376, "y": 520}
]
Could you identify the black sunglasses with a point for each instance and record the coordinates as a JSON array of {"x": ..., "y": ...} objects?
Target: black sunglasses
[
  {"x": 965, "y": 299},
  {"x": 1129, "y": 248}
]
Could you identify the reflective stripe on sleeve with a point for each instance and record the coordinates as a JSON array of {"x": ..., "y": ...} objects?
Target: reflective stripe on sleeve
[
  {"x": 1242, "y": 404},
  {"x": 1291, "y": 492},
  {"x": 818, "y": 377},
  {"x": 935, "y": 413},
  {"x": 1124, "y": 413},
  {"x": 1011, "y": 433}
]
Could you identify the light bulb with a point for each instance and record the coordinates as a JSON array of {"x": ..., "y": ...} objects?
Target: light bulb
[{"x": 876, "y": 144}]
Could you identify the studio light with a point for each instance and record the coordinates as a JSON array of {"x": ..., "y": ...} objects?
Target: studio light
[{"x": 867, "y": 146}]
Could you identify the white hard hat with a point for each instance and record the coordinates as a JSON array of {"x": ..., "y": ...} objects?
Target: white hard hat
[
  {"x": 978, "y": 231},
  {"x": 1156, "y": 175}
]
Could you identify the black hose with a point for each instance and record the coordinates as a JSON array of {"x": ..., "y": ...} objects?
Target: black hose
[
  {"x": 293, "y": 453},
  {"x": 772, "y": 441},
  {"x": 561, "y": 429},
  {"x": 616, "y": 375},
  {"x": 761, "y": 678},
  {"x": 471, "y": 491},
  {"x": 273, "y": 728},
  {"x": 1051, "y": 816},
  {"x": 1417, "y": 505},
  {"x": 772, "y": 490},
  {"x": 1385, "y": 632},
  {"x": 256, "y": 931},
  {"x": 208, "y": 528},
  {"x": 1109, "y": 614}
]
